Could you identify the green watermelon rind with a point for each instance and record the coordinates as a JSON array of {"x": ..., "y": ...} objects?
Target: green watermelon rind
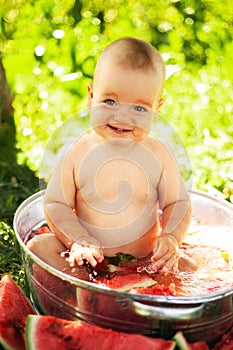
[
  {"x": 5, "y": 345},
  {"x": 181, "y": 342},
  {"x": 13, "y": 314},
  {"x": 30, "y": 331},
  {"x": 142, "y": 282}
]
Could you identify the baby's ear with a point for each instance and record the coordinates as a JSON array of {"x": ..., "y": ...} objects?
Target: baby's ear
[
  {"x": 90, "y": 95},
  {"x": 160, "y": 103}
]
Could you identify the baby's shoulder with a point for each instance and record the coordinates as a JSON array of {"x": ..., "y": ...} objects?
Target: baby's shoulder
[
  {"x": 85, "y": 142},
  {"x": 159, "y": 149},
  {"x": 79, "y": 148},
  {"x": 154, "y": 144}
]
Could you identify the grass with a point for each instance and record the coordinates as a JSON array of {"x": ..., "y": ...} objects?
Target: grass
[{"x": 17, "y": 182}]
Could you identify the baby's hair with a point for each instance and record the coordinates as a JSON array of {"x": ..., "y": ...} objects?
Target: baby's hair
[{"x": 135, "y": 54}]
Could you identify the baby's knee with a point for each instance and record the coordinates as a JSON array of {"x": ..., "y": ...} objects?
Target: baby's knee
[
  {"x": 39, "y": 243},
  {"x": 45, "y": 244},
  {"x": 48, "y": 248},
  {"x": 187, "y": 264}
]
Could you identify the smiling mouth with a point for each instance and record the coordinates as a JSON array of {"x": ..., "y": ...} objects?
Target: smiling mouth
[{"x": 119, "y": 130}]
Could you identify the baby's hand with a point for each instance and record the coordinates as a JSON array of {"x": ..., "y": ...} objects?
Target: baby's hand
[
  {"x": 86, "y": 249},
  {"x": 165, "y": 253}
]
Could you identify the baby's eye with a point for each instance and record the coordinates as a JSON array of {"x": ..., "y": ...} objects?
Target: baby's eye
[
  {"x": 110, "y": 102},
  {"x": 140, "y": 109}
]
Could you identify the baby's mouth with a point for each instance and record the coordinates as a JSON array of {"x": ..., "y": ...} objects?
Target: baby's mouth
[{"x": 119, "y": 130}]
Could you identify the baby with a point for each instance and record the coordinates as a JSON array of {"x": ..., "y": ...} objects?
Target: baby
[{"x": 105, "y": 193}]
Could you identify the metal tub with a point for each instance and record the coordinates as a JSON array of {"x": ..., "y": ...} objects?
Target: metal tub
[{"x": 55, "y": 293}]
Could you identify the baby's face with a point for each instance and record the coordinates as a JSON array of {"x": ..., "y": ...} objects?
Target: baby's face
[{"x": 124, "y": 101}]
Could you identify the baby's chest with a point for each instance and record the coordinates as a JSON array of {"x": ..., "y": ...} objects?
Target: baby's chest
[{"x": 116, "y": 178}]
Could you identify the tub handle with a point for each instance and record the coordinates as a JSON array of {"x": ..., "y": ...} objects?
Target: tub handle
[{"x": 167, "y": 313}]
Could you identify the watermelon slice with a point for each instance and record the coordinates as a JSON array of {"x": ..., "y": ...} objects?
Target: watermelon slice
[
  {"x": 128, "y": 281},
  {"x": 14, "y": 308},
  {"x": 184, "y": 345},
  {"x": 50, "y": 333}
]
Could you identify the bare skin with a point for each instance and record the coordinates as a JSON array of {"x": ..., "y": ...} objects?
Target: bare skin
[{"x": 76, "y": 209}]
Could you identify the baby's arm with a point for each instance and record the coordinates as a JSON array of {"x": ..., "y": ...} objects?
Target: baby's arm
[
  {"x": 59, "y": 204},
  {"x": 166, "y": 249},
  {"x": 176, "y": 214}
]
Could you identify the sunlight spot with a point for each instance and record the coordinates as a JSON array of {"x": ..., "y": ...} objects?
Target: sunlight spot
[
  {"x": 171, "y": 69},
  {"x": 166, "y": 56},
  {"x": 71, "y": 76},
  {"x": 165, "y": 26},
  {"x": 226, "y": 83},
  {"x": 207, "y": 28},
  {"x": 189, "y": 21},
  {"x": 87, "y": 14},
  {"x": 44, "y": 105},
  {"x": 39, "y": 50},
  {"x": 52, "y": 65},
  {"x": 43, "y": 94},
  {"x": 11, "y": 15},
  {"x": 189, "y": 10},
  {"x": 110, "y": 15},
  {"x": 36, "y": 71},
  {"x": 229, "y": 107},
  {"x": 94, "y": 38},
  {"x": 205, "y": 99},
  {"x": 196, "y": 107},
  {"x": 27, "y": 131},
  {"x": 96, "y": 21},
  {"x": 58, "y": 71},
  {"x": 201, "y": 88},
  {"x": 59, "y": 34}
]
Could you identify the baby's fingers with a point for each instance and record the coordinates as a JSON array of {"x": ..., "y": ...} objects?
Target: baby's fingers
[
  {"x": 159, "y": 263},
  {"x": 159, "y": 251},
  {"x": 166, "y": 263},
  {"x": 171, "y": 264},
  {"x": 98, "y": 255},
  {"x": 90, "y": 259},
  {"x": 75, "y": 258}
]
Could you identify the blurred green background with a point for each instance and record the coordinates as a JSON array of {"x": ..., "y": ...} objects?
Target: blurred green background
[{"x": 48, "y": 50}]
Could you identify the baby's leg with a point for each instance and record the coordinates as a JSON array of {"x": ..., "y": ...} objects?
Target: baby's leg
[
  {"x": 48, "y": 248},
  {"x": 187, "y": 264}
]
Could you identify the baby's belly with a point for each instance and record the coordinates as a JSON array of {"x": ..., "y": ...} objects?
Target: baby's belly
[
  {"x": 139, "y": 248},
  {"x": 118, "y": 229}
]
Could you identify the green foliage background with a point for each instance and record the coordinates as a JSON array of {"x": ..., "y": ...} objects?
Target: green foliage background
[{"x": 50, "y": 47}]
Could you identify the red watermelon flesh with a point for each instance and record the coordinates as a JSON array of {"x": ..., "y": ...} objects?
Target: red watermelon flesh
[
  {"x": 50, "y": 333},
  {"x": 128, "y": 281},
  {"x": 14, "y": 308}
]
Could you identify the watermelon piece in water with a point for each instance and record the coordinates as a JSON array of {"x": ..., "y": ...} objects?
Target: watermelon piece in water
[
  {"x": 184, "y": 345},
  {"x": 128, "y": 281},
  {"x": 51, "y": 333},
  {"x": 14, "y": 308}
]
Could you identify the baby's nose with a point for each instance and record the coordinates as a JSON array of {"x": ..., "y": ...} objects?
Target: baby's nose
[{"x": 122, "y": 115}]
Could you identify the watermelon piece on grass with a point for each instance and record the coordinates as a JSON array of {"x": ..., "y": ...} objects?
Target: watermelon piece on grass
[
  {"x": 182, "y": 343},
  {"x": 51, "y": 333},
  {"x": 14, "y": 308}
]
